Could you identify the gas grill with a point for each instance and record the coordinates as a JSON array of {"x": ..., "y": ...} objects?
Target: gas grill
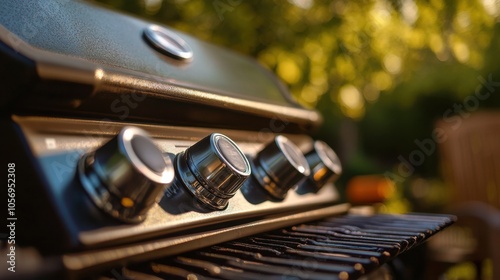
[{"x": 140, "y": 152}]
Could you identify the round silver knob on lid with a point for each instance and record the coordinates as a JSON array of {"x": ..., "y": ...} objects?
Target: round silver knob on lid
[
  {"x": 127, "y": 175},
  {"x": 280, "y": 166},
  {"x": 168, "y": 43},
  {"x": 213, "y": 170},
  {"x": 325, "y": 164}
]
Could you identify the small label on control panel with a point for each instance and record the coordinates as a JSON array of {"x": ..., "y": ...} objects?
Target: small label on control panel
[{"x": 50, "y": 143}]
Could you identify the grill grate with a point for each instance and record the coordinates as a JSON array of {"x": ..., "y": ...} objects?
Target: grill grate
[{"x": 344, "y": 247}]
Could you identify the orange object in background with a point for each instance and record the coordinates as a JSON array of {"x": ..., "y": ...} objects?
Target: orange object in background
[{"x": 369, "y": 189}]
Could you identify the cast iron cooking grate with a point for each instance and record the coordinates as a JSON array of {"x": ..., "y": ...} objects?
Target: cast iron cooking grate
[{"x": 344, "y": 247}]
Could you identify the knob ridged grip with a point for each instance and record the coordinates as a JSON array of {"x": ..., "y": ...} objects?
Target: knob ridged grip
[
  {"x": 324, "y": 163},
  {"x": 280, "y": 166},
  {"x": 213, "y": 170},
  {"x": 127, "y": 175}
]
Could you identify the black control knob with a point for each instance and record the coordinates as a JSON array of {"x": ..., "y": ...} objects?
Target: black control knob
[
  {"x": 212, "y": 170},
  {"x": 324, "y": 163},
  {"x": 127, "y": 175},
  {"x": 280, "y": 166}
]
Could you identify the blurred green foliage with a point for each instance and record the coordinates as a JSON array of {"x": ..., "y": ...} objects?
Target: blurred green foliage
[{"x": 380, "y": 71}]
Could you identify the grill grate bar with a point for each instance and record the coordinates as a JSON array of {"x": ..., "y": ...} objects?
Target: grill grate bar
[{"x": 334, "y": 248}]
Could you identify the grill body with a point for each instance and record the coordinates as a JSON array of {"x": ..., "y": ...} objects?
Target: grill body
[{"x": 73, "y": 82}]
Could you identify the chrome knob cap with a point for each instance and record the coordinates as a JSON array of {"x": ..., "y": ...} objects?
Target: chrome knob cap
[
  {"x": 325, "y": 165},
  {"x": 280, "y": 166},
  {"x": 213, "y": 170},
  {"x": 127, "y": 175}
]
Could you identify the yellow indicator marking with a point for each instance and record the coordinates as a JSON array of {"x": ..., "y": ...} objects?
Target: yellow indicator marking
[
  {"x": 127, "y": 202},
  {"x": 343, "y": 275}
]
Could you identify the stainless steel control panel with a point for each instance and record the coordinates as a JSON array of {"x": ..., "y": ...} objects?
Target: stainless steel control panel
[{"x": 59, "y": 144}]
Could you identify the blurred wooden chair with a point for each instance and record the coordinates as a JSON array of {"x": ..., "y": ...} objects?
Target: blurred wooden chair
[{"x": 470, "y": 158}]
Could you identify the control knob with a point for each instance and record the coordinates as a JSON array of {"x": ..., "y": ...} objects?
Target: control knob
[
  {"x": 212, "y": 170},
  {"x": 127, "y": 175},
  {"x": 324, "y": 163},
  {"x": 280, "y": 166}
]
